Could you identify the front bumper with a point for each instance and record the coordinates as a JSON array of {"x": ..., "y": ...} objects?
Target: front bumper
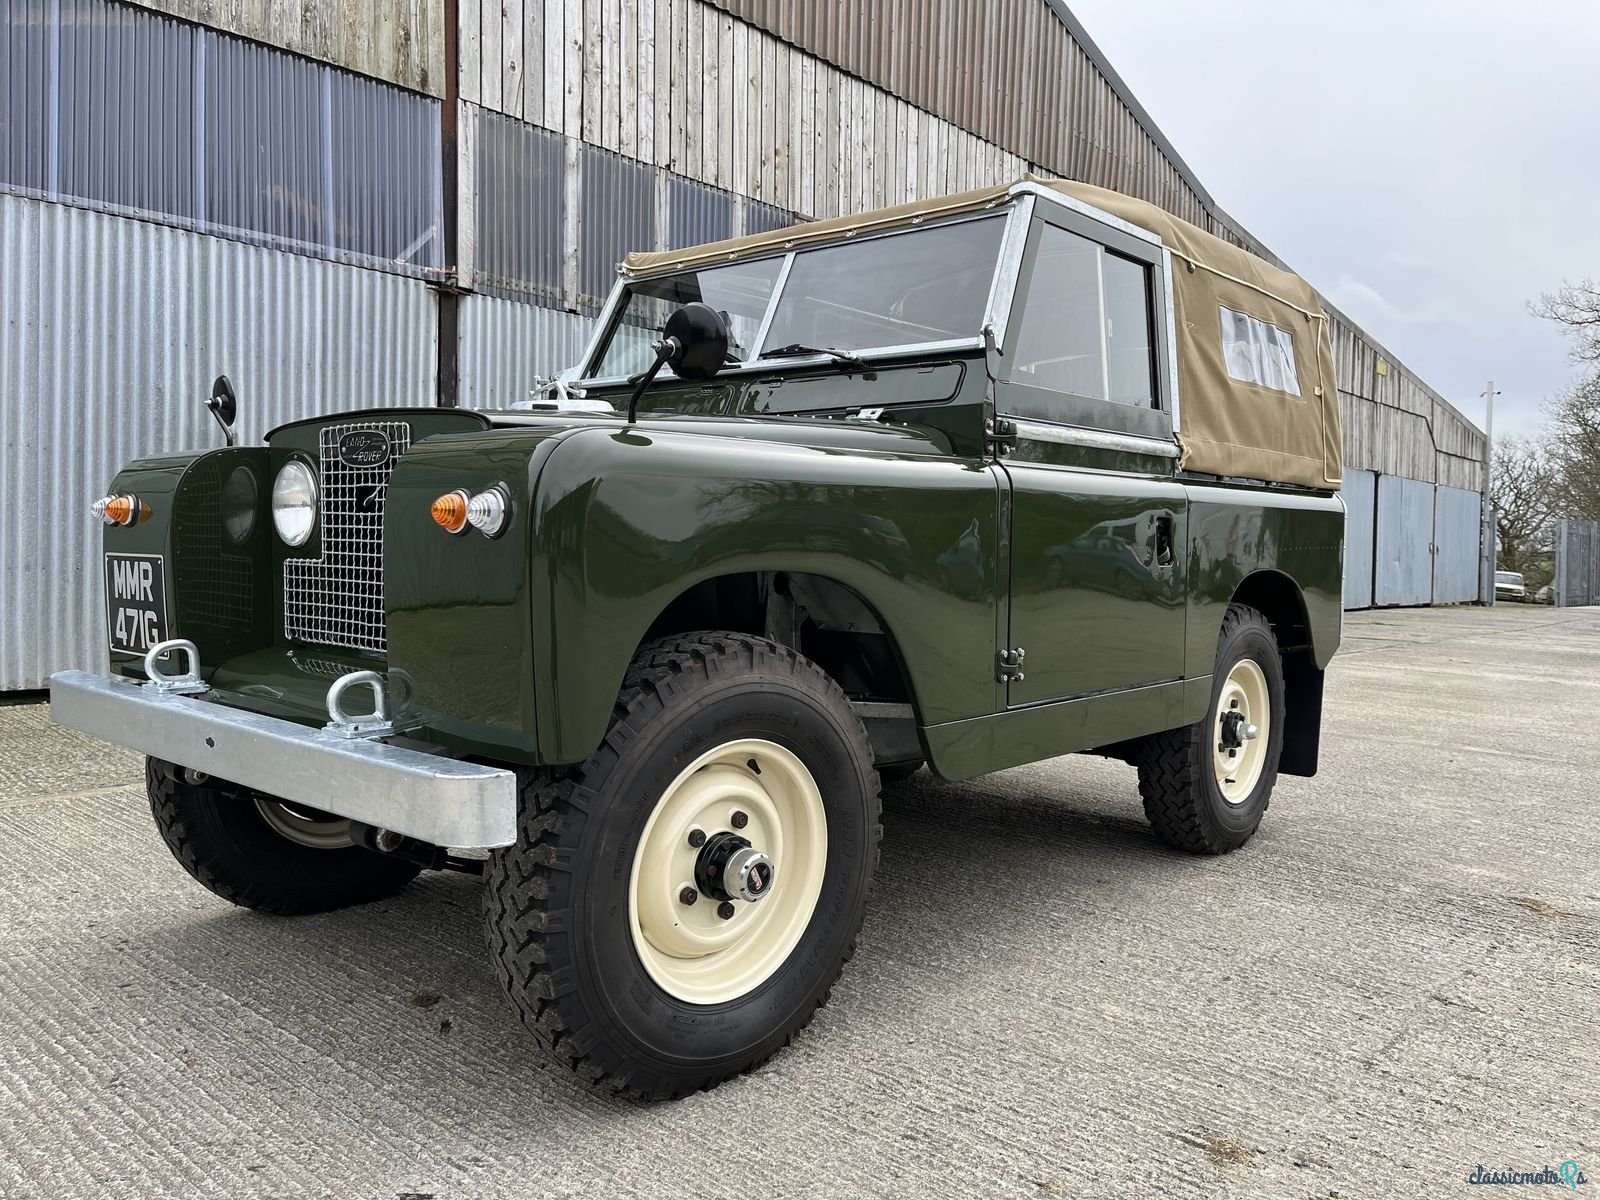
[{"x": 438, "y": 800}]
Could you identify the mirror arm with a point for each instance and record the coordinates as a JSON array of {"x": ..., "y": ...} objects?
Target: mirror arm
[
  {"x": 666, "y": 348},
  {"x": 214, "y": 405}
]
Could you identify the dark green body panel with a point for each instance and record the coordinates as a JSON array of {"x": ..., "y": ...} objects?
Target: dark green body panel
[
  {"x": 514, "y": 648},
  {"x": 1237, "y": 531},
  {"x": 627, "y": 520}
]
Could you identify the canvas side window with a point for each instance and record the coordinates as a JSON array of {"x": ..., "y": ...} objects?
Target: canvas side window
[
  {"x": 1258, "y": 352},
  {"x": 1085, "y": 328}
]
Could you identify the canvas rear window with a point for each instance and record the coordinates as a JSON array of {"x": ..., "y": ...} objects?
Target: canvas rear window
[{"x": 1258, "y": 352}]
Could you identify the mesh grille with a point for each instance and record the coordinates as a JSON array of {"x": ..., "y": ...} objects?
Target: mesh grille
[
  {"x": 337, "y": 600},
  {"x": 217, "y": 580}
]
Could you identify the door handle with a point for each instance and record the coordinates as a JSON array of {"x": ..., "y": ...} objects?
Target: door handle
[{"x": 1165, "y": 554}]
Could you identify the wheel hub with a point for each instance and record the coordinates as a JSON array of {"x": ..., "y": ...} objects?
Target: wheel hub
[
  {"x": 711, "y": 915},
  {"x": 728, "y": 867},
  {"x": 1240, "y": 749}
]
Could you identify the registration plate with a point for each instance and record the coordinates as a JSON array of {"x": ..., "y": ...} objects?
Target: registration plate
[{"x": 136, "y": 602}]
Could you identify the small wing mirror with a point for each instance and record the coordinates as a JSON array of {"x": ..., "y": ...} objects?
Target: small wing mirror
[
  {"x": 224, "y": 406},
  {"x": 695, "y": 343}
]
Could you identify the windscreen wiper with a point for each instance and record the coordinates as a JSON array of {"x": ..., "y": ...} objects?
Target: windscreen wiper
[{"x": 796, "y": 350}]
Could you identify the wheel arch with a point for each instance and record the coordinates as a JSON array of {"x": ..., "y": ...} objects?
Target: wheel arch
[
  {"x": 1279, "y": 598},
  {"x": 815, "y": 613}
]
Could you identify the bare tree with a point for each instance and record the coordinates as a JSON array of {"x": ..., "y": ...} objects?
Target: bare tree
[
  {"x": 1576, "y": 307},
  {"x": 1523, "y": 492},
  {"x": 1573, "y": 440}
]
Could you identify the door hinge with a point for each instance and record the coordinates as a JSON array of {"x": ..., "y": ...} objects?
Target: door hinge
[
  {"x": 1010, "y": 666},
  {"x": 1000, "y": 436}
]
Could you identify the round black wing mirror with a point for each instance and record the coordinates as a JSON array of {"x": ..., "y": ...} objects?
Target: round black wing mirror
[
  {"x": 702, "y": 338},
  {"x": 695, "y": 343},
  {"x": 224, "y": 406}
]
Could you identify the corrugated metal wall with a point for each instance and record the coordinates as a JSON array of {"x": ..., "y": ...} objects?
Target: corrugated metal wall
[
  {"x": 111, "y": 331},
  {"x": 1360, "y": 492},
  {"x": 506, "y": 346},
  {"x": 1457, "y": 532},
  {"x": 115, "y": 108},
  {"x": 1577, "y": 580},
  {"x": 1403, "y": 558}
]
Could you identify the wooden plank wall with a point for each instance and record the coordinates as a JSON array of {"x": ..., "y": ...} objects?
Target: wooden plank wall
[
  {"x": 1006, "y": 69},
  {"x": 1394, "y": 423},
  {"x": 683, "y": 85},
  {"x": 398, "y": 41}
]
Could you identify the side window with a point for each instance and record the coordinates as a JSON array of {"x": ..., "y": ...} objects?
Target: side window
[
  {"x": 1085, "y": 327},
  {"x": 1259, "y": 352},
  {"x": 1130, "y": 354}
]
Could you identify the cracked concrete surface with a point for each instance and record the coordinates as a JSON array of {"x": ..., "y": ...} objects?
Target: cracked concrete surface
[{"x": 1397, "y": 980}]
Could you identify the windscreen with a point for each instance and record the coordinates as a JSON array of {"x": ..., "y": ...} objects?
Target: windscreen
[
  {"x": 899, "y": 290},
  {"x": 741, "y": 292}
]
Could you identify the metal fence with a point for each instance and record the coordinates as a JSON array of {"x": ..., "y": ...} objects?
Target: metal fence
[{"x": 1577, "y": 580}]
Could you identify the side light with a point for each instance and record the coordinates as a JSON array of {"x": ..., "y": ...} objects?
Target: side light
[
  {"x": 450, "y": 511},
  {"x": 121, "y": 510},
  {"x": 488, "y": 512}
]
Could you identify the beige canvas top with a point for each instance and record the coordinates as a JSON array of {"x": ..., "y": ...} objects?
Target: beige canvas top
[{"x": 1228, "y": 426}]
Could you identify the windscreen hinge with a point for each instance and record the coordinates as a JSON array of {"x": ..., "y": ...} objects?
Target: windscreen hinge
[{"x": 1000, "y": 436}]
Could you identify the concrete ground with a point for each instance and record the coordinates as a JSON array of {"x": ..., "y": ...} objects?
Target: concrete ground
[{"x": 1397, "y": 980}]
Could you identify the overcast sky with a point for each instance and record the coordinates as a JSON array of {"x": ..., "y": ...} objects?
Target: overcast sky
[{"x": 1431, "y": 167}]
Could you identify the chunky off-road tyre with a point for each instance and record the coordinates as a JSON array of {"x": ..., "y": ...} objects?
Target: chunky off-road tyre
[
  {"x": 622, "y": 959},
  {"x": 259, "y": 853},
  {"x": 1199, "y": 796}
]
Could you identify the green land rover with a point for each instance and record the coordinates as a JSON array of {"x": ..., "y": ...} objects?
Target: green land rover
[{"x": 968, "y": 483}]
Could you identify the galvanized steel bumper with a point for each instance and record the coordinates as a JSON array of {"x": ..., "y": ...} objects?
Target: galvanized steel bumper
[{"x": 438, "y": 800}]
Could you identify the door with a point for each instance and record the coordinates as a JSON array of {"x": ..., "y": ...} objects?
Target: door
[
  {"x": 1097, "y": 597},
  {"x": 1458, "y": 538},
  {"x": 1403, "y": 565},
  {"x": 1098, "y": 520}
]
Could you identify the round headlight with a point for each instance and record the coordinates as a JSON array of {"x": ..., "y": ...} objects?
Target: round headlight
[
  {"x": 294, "y": 503},
  {"x": 239, "y": 496}
]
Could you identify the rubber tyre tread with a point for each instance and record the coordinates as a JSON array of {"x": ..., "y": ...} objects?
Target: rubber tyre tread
[
  {"x": 528, "y": 912},
  {"x": 1175, "y": 772},
  {"x": 216, "y": 834}
]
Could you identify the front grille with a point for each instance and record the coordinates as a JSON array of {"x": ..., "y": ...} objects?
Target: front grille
[
  {"x": 337, "y": 599},
  {"x": 218, "y": 581}
]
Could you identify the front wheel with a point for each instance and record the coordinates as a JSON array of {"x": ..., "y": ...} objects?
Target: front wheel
[
  {"x": 260, "y": 852},
  {"x": 1206, "y": 787},
  {"x": 676, "y": 908}
]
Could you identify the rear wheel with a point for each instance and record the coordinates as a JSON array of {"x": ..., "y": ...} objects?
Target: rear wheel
[
  {"x": 1206, "y": 786},
  {"x": 261, "y": 852},
  {"x": 676, "y": 908}
]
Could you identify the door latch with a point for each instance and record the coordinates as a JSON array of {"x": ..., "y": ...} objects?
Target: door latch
[
  {"x": 1000, "y": 436},
  {"x": 1010, "y": 666},
  {"x": 1165, "y": 553}
]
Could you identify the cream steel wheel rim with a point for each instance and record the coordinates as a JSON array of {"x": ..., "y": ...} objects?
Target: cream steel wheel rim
[
  {"x": 688, "y": 949},
  {"x": 1243, "y": 723},
  {"x": 318, "y": 833}
]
